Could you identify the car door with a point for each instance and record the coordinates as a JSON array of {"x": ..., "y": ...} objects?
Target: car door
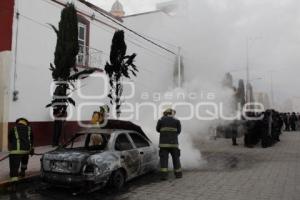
[
  {"x": 147, "y": 152},
  {"x": 129, "y": 156}
]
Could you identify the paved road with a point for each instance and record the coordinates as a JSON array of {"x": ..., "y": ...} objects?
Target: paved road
[{"x": 231, "y": 173}]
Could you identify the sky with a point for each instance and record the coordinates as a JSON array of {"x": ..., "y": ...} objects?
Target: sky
[
  {"x": 130, "y": 6},
  {"x": 215, "y": 33}
]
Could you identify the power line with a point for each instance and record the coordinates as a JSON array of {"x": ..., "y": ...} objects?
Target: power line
[
  {"x": 136, "y": 44},
  {"x": 134, "y": 32},
  {"x": 107, "y": 54},
  {"x": 48, "y": 27},
  {"x": 159, "y": 40},
  {"x": 130, "y": 30},
  {"x": 35, "y": 21},
  {"x": 141, "y": 46}
]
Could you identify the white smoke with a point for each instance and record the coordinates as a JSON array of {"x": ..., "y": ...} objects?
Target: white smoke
[
  {"x": 203, "y": 55},
  {"x": 193, "y": 129}
]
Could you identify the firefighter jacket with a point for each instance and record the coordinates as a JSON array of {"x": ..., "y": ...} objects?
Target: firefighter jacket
[
  {"x": 20, "y": 139},
  {"x": 169, "y": 129}
]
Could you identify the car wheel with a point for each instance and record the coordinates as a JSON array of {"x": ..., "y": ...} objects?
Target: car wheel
[{"x": 117, "y": 180}]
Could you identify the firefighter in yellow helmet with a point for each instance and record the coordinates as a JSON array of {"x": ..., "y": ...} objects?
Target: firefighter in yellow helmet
[
  {"x": 95, "y": 118},
  {"x": 169, "y": 128},
  {"x": 100, "y": 117},
  {"x": 20, "y": 146},
  {"x": 104, "y": 112}
]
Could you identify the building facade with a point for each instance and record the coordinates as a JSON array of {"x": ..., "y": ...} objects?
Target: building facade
[{"x": 27, "y": 44}]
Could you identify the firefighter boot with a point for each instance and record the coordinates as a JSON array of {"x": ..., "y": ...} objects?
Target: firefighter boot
[
  {"x": 22, "y": 173},
  {"x": 178, "y": 174},
  {"x": 163, "y": 176}
]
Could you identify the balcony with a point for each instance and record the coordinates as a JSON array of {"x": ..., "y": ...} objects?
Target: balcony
[{"x": 90, "y": 58}]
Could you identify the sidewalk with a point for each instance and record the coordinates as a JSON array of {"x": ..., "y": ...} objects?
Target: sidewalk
[{"x": 33, "y": 165}]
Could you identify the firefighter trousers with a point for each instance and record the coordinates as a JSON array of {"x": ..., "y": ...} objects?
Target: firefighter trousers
[
  {"x": 15, "y": 160},
  {"x": 164, "y": 158}
]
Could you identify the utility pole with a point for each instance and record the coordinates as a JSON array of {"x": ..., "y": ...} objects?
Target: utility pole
[
  {"x": 179, "y": 67},
  {"x": 272, "y": 90},
  {"x": 247, "y": 71},
  {"x": 248, "y": 65}
]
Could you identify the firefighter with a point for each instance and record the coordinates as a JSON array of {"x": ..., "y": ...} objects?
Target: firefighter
[
  {"x": 20, "y": 145},
  {"x": 104, "y": 114},
  {"x": 169, "y": 128},
  {"x": 95, "y": 118}
]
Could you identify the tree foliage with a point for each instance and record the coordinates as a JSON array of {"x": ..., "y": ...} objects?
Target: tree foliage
[
  {"x": 67, "y": 45},
  {"x": 120, "y": 65},
  {"x": 240, "y": 94},
  {"x": 64, "y": 70},
  {"x": 228, "y": 81}
]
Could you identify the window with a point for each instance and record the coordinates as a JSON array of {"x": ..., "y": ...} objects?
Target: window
[
  {"x": 139, "y": 141},
  {"x": 123, "y": 143},
  {"x": 83, "y": 40},
  {"x": 81, "y": 60}
]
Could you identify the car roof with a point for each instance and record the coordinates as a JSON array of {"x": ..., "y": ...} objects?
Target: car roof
[{"x": 101, "y": 131}]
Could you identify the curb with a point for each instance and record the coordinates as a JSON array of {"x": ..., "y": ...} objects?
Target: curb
[{"x": 31, "y": 177}]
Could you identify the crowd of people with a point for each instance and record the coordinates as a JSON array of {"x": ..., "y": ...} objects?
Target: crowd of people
[{"x": 266, "y": 127}]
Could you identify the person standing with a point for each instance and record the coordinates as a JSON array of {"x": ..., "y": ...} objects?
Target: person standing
[
  {"x": 293, "y": 120},
  {"x": 234, "y": 132},
  {"x": 169, "y": 128},
  {"x": 288, "y": 122},
  {"x": 20, "y": 146},
  {"x": 266, "y": 130}
]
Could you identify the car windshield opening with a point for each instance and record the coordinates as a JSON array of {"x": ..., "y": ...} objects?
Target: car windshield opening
[{"x": 91, "y": 142}]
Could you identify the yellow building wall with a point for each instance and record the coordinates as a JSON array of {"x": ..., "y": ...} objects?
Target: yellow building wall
[{"x": 5, "y": 66}]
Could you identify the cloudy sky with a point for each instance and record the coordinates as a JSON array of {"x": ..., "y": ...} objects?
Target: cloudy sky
[
  {"x": 216, "y": 32},
  {"x": 130, "y": 6}
]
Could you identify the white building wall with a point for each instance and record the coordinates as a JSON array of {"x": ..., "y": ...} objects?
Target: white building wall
[{"x": 35, "y": 51}]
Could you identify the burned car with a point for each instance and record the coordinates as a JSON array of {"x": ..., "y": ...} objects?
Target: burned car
[{"x": 99, "y": 157}]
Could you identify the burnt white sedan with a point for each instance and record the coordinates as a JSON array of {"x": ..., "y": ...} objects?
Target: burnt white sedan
[{"x": 120, "y": 156}]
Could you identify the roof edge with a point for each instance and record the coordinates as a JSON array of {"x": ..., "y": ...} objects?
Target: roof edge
[
  {"x": 96, "y": 8},
  {"x": 144, "y": 13}
]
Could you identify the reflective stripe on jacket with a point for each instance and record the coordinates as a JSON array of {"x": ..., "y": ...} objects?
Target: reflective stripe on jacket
[
  {"x": 169, "y": 129},
  {"x": 20, "y": 139}
]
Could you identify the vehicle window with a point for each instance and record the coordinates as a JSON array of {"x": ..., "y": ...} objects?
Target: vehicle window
[
  {"x": 78, "y": 142},
  {"x": 123, "y": 143},
  {"x": 139, "y": 141},
  {"x": 96, "y": 141},
  {"x": 90, "y": 141}
]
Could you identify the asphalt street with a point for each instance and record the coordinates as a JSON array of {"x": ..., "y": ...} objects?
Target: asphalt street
[{"x": 233, "y": 173}]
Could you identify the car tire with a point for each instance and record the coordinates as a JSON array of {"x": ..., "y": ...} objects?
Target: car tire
[{"x": 117, "y": 179}]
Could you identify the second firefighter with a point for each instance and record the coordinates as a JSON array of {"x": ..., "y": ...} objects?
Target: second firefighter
[{"x": 169, "y": 128}]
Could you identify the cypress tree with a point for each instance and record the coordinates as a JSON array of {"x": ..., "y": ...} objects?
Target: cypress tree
[
  {"x": 120, "y": 65},
  {"x": 64, "y": 70},
  {"x": 240, "y": 95}
]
